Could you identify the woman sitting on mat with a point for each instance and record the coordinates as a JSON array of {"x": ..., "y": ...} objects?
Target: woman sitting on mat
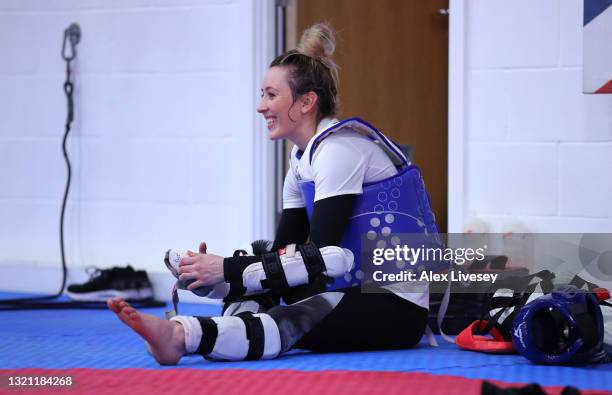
[{"x": 299, "y": 101}]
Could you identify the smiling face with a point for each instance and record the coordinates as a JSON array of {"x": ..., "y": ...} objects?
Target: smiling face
[{"x": 277, "y": 105}]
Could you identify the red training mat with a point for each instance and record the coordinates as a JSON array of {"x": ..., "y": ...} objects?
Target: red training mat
[{"x": 242, "y": 381}]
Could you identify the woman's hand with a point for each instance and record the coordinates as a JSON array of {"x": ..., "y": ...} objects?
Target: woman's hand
[{"x": 205, "y": 269}]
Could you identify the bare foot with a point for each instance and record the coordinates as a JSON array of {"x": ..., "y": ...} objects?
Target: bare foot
[{"x": 165, "y": 338}]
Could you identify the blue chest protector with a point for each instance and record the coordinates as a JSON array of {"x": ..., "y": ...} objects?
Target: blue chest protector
[{"x": 387, "y": 209}]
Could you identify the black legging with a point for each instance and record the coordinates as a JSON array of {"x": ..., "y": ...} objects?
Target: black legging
[
  {"x": 365, "y": 322},
  {"x": 360, "y": 321},
  {"x": 336, "y": 321}
]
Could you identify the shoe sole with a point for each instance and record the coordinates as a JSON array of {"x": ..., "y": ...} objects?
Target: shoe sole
[
  {"x": 169, "y": 265},
  {"x": 102, "y": 296}
]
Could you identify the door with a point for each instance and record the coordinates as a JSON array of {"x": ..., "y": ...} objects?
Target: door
[{"x": 393, "y": 58}]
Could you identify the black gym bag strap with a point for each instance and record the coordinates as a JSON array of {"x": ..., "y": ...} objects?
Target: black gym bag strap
[
  {"x": 275, "y": 275},
  {"x": 315, "y": 265},
  {"x": 209, "y": 335},
  {"x": 580, "y": 282},
  {"x": 255, "y": 334}
]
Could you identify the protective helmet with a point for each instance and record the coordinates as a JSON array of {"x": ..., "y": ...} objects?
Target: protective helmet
[{"x": 564, "y": 326}]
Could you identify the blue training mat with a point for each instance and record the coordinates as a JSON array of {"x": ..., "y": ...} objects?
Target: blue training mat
[{"x": 97, "y": 339}]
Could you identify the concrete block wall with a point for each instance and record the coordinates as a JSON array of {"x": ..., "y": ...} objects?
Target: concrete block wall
[
  {"x": 162, "y": 146},
  {"x": 537, "y": 151}
]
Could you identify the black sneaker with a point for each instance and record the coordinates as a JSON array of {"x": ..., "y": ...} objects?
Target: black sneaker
[{"x": 116, "y": 282}]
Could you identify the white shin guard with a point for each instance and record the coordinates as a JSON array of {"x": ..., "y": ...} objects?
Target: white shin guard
[
  {"x": 249, "y": 336},
  {"x": 338, "y": 261},
  {"x": 288, "y": 269},
  {"x": 193, "y": 332},
  {"x": 293, "y": 270}
]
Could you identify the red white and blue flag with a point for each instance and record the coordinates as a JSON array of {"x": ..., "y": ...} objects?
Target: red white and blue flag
[{"x": 597, "y": 46}]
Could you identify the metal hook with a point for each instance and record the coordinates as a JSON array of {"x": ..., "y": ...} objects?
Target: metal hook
[{"x": 72, "y": 33}]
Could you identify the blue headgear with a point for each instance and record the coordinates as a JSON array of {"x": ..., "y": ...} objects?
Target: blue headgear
[{"x": 565, "y": 326}]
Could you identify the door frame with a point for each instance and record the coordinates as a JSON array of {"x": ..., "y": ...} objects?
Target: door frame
[
  {"x": 456, "y": 106},
  {"x": 456, "y": 115},
  {"x": 264, "y": 163}
]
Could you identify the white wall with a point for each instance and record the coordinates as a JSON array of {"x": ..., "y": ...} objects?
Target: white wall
[
  {"x": 166, "y": 148},
  {"x": 536, "y": 150}
]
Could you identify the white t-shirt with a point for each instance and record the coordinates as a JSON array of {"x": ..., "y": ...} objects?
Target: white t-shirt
[{"x": 342, "y": 162}]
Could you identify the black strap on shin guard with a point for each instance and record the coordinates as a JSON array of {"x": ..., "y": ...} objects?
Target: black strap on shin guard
[
  {"x": 232, "y": 272},
  {"x": 315, "y": 265},
  {"x": 209, "y": 335},
  {"x": 275, "y": 275},
  {"x": 255, "y": 334}
]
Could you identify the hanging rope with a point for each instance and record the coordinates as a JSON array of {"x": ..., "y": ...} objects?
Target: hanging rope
[{"x": 72, "y": 36}]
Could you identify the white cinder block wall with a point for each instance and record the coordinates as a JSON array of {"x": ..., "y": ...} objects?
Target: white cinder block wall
[
  {"x": 536, "y": 150},
  {"x": 167, "y": 149}
]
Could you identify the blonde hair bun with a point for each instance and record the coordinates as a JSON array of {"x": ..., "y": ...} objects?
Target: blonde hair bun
[
  {"x": 311, "y": 68},
  {"x": 318, "y": 41}
]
